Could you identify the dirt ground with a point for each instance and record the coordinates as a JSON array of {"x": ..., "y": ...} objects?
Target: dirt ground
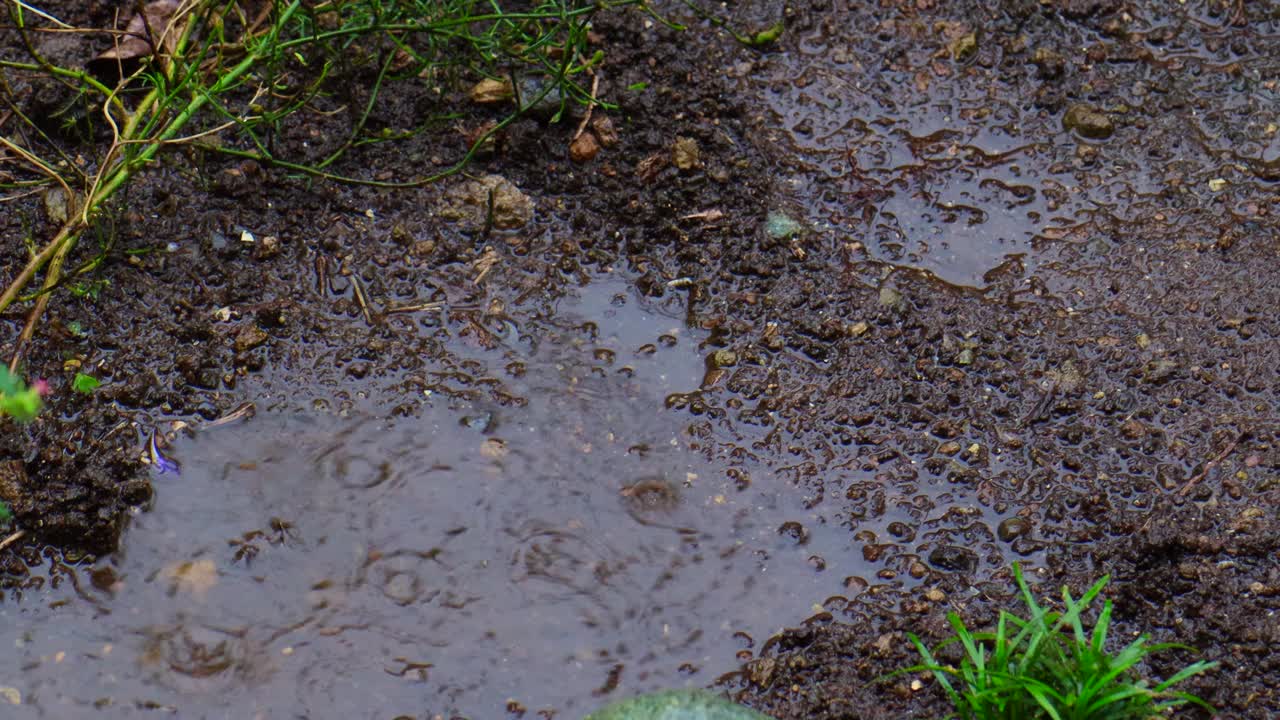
[{"x": 1105, "y": 402}]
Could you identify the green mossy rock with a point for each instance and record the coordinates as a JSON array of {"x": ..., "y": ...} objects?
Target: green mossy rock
[
  {"x": 676, "y": 705},
  {"x": 779, "y": 225}
]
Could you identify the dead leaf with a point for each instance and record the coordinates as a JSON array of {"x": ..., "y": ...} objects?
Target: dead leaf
[
  {"x": 604, "y": 129},
  {"x": 491, "y": 92},
  {"x": 56, "y": 205},
  {"x": 193, "y": 577},
  {"x": 883, "y": 644},
  {"x": 648, "y": 168},
  {"x": 685, "y": 153},
  {"x": 156, "y": 28}
]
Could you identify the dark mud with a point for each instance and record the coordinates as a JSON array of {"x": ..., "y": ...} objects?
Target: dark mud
[{"x": 1002, "y": 335}]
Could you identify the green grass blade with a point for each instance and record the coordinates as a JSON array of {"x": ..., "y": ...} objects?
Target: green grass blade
[
  {"x": 1126, "y": 659},
  {"x": 1095, "y": 708},
  {"x": 971, "y": 648},
  {"x": 1183, "y": 698},
  {"x": 1194, "y": 668},
  {"x": 1099, "y": 640},
  {"x": 1041, "y": 694},
  {"x": 930, "y": 664}
]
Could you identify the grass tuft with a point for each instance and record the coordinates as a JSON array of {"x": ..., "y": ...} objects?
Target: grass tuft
[
  {"x": 1047, "y": 666},
  {"x": 226, "y": 75}
]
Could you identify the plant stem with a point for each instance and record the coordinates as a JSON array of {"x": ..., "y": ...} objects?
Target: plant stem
[{"x": 117, "y": 171}]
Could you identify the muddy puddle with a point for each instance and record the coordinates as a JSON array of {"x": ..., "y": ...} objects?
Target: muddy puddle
[
  {"x": 467, "y": 561},
  {"x": 488, "y": 476},
  {"x": 917, "y": 155}
]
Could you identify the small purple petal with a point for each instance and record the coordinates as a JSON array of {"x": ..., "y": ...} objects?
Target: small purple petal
[
  {"x": 160, "y": 462},
  {"x": 164, "y": 465}
]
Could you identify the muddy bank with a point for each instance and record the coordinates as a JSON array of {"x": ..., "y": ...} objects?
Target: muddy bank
[{"x": 1028, "y": 317}]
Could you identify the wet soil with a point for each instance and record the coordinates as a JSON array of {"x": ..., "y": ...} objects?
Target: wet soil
[{"x": 1029, "y": 316}]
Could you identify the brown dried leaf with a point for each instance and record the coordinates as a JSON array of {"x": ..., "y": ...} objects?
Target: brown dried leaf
[
  {"x": 604, "y": 130},
  {"x": 686, "y": 154},
  {"x": 155, "y": 27},
  {"x": 491, "y": 92},
  {"x": 193, "y": 577},
  {"x": 648, "y": 168}
]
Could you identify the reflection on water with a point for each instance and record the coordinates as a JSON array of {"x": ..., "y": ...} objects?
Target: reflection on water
[{"x": 546, "y": 557}]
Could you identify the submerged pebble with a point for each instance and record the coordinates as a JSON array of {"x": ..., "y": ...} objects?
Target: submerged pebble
[
  {"x": 1088, "y": 122},
  {"x": 676, "y": 705},
  {"x": 1011, "y": 529},
  {"x": 954, "y": 559},
  {"x": 491, "y": 200}
]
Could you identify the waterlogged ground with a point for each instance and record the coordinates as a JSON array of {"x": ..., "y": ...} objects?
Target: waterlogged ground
[
  {"x": 465, "y": 560},
  {"x": 621, "y": 441}
]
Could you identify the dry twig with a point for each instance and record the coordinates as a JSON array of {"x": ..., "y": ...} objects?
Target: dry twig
[
  {"x": 1204, "y": 471},
  {"x": 586, "y": 118},
  {"x": 12, "y": 539}
]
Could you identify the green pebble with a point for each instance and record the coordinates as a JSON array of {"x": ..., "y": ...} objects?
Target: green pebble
[
  {"x": 676, "y": 705},
  {"x": 724, "y": 358},
  {"x": 780, "y": 225}
]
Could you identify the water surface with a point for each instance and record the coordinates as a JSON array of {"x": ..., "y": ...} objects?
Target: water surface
[{"x": 547, "y": 553}]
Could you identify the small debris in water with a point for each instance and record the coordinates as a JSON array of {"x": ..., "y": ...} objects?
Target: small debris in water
[
  {"x": 1011, "y": 529},
  {"x": 159, "y": 461},
  {"x": 954, "y": 559},
  {"x": 964, "y": 47},
  {"x": 889, "y": 297},
  {"x": 724, "y": 358},
  {"x": 705, "y": 215},
  {"x": 267, "y": 247},
  {"x": 193, "y": 577},
  {"x": 483, "y": 422}
]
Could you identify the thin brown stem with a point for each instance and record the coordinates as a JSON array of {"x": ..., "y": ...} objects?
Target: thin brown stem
[
  {"x": 66, "y": 236},
  {"x": 1204, "y": 471},
  {"x": 12, "y": 539},
  {"x": 33, "y": 318}
]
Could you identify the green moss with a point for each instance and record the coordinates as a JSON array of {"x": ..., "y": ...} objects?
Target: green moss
[{"x": 779, "y": 225}]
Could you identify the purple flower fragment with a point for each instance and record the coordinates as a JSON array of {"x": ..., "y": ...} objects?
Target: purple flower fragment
[{"x": 160, "y": 462}]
